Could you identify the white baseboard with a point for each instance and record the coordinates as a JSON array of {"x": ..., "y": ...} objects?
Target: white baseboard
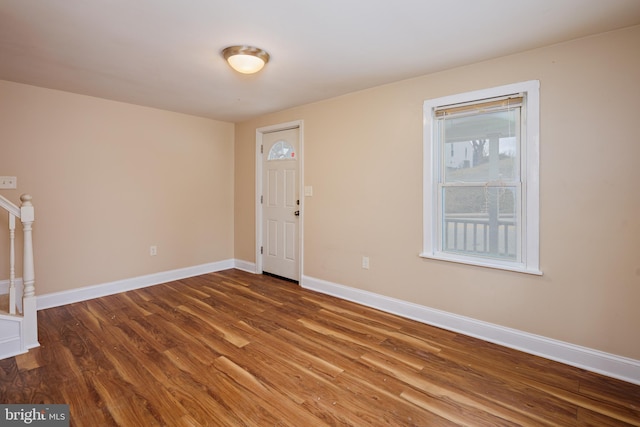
[
  {"x": 607, "y": 364},
  {"x": 249, "y": 267},
  {"x": 4, "y": 285},
  {"x": 57, "y": 299}
]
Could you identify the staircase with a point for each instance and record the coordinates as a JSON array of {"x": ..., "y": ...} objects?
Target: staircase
[{"x": 18, "y": 315}]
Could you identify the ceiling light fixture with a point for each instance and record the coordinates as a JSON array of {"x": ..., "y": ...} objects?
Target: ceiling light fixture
[{"x": 245, "y": 59}]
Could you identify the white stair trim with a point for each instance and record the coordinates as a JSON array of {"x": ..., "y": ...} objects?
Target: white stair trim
[
  {"x": 611, "y": 365},
  {"x": 11, "y": 336},
  {"x": 9, "y": 207}
]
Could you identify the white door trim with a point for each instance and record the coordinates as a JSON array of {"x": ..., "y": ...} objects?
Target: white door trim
[{"x": 259, "y": 134}]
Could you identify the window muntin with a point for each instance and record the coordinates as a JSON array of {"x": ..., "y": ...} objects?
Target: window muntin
[{"x": 481, "y": 178}]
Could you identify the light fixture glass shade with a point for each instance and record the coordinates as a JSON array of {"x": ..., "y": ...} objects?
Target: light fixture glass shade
[
  {"x": 245, "y": 64},
  {"x": 245, "y": 59}
]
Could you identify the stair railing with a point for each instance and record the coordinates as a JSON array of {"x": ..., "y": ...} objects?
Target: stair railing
[{"x": 29, "y": 310}]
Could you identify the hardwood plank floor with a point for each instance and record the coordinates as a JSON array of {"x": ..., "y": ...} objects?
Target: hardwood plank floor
[{"x": 236, "y": 349}]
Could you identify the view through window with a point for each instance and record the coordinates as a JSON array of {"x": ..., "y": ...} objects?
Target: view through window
[{"x": 481, "y": 168}]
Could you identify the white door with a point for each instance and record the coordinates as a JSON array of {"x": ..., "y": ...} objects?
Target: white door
[{"x": 280, "y": 204}]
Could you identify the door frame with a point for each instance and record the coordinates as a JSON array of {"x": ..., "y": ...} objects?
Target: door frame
[{"x": 299, "y": 124}]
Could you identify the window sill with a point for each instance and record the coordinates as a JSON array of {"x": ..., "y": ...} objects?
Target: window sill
[{"x": 496, "y": 264}]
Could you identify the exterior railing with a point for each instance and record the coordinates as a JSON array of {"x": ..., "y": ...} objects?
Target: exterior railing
[{"x": 478, "y": 235}]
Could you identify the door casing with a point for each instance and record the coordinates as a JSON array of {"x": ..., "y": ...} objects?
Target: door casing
[{"x": 259, "y": 231}]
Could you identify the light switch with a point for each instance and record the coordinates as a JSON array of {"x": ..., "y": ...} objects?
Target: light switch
[
  {"x": 8, "y": 182},
  {"x": 308, "y": 190}
]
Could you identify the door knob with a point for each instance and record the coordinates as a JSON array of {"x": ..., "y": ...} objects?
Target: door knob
[{"x": 297, "y": 213}]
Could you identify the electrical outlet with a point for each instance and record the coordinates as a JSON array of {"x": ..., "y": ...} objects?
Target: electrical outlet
[
  {"x": 365, "y": 262},
  {"x": 153, "y": 250},
  {"x": 8, "y": 182}
]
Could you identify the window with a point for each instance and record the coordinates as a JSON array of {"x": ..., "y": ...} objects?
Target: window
[
  {"x": 281, "y": 150},
  {"x": 481, "y": 195}
]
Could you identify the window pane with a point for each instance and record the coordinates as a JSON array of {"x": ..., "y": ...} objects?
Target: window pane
[
  {"x": 281, "y": 150},
  {"x": 482, "y": 147},
  {"x": 480, "y": 221},
  {"x": 481, "y": 152}
]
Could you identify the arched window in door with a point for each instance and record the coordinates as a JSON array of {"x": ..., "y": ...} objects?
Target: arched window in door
[{"x": 281, "y": 150}]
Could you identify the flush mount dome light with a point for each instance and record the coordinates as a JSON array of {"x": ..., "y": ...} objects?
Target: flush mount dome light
[{"x": 245, "y": 59}]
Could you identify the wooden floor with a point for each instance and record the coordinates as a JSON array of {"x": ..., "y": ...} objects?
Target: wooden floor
[
  {"x": 4, "y": 303},
  {"x": 235, "y": 349}
]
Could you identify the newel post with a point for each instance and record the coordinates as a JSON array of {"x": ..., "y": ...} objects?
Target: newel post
[
  {"x": 28, "y": 274},
  {"x": 27, "y": 217}
]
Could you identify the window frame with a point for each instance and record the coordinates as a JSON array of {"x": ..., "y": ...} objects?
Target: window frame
[{"x": 530, "y": 182}]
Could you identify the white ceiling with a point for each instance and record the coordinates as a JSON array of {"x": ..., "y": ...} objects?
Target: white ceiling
[{"x": 166, "y": 53}]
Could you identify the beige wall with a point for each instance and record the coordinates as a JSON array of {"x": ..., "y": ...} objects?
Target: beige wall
[
  {"x": 110, "y": 179},
  {"x": 363, "y": 157}
]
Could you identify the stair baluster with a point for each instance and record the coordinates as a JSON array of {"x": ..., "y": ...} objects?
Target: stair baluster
[{"x": 12, "y": 263}]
